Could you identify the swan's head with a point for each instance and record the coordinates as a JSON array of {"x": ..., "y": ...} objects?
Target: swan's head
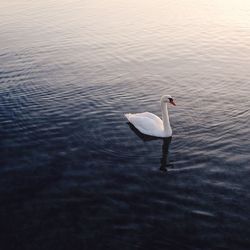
[{"x": 168, "y": 99}]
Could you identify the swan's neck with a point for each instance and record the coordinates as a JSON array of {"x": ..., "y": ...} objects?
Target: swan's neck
[{"x": 165, "y": 119}]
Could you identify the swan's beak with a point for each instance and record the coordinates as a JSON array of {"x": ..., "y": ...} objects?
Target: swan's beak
[{"x": 172, "y": 102}]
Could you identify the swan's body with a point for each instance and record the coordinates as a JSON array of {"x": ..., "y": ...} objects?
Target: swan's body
[{"x": 150, "y": 124}]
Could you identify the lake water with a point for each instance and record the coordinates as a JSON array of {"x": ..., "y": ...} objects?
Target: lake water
[{"x": 74, "y": 175}]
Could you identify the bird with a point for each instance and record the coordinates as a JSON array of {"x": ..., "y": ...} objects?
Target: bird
[{"x": 150, "y": 124}]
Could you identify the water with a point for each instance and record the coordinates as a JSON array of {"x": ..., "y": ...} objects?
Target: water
[{"x": 74, "y": 175}]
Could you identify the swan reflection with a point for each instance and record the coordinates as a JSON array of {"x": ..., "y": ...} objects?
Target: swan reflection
[
  {"x": 165, "y": 146},
  {"x": 165, "y": 152}
]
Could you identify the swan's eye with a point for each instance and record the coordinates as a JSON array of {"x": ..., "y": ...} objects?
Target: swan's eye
[{"x": 170, "y": 99}]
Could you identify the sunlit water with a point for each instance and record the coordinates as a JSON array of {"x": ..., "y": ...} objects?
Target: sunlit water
[{"x": 74, "y": 175}]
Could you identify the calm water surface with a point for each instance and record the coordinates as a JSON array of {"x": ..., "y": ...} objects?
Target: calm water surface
[{"x": 74, "y": 175}]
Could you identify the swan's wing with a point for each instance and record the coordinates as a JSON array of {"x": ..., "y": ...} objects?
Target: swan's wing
[
  {"x": 147, "y": 123},
  {"x": 152, "y": 116}
]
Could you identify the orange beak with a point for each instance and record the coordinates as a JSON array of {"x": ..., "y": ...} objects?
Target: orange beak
[{"x": 173, "y": 103}]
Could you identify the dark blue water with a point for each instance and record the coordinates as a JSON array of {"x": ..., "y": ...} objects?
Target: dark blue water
[{"x": 74, "y": 174}]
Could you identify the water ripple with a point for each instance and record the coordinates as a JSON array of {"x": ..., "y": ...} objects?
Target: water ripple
[{"x": 71, "y": 167}]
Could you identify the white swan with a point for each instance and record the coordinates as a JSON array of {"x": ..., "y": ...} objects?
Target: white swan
[{"x": 150, "y": 124}]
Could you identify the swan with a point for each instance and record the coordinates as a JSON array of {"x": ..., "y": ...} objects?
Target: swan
[{"x": 150, "y": 124}]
